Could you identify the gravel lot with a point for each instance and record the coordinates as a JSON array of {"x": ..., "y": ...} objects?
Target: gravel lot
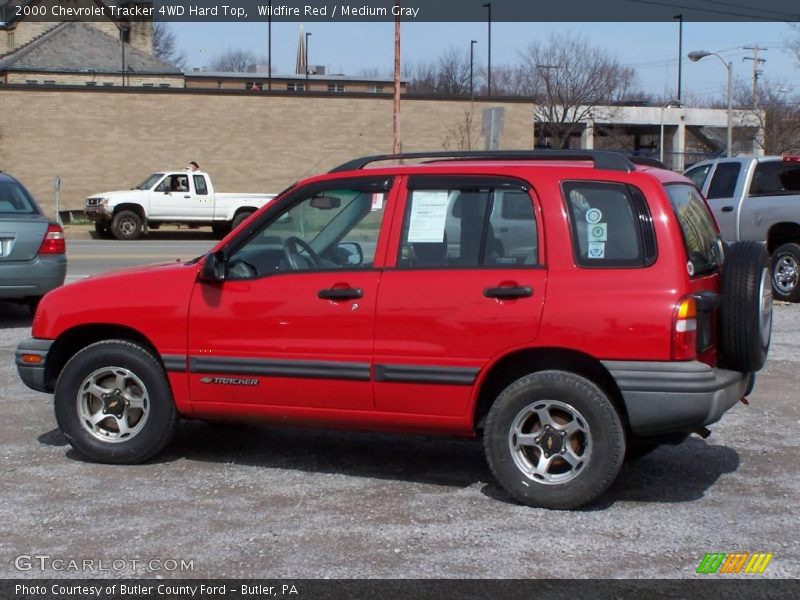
[{"x": 251, "y": 501}]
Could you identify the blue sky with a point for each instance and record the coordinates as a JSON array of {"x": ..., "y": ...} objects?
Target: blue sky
[{"x": 651, "y": 48}]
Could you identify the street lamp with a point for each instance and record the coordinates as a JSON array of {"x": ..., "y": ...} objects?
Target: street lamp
[
  {"x": 472, "y": 68},
  {"x": 679, "y": 18},
  {"x": 308, "y": 35},
  {"x": 489, "y": 65},
  {"x": 700, "y": 54}
]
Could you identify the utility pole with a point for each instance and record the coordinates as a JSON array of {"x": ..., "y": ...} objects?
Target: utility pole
[
  {"x": 756, "y": 71},
  {"x": 396, "y": 147},
  {"x": 269, "y": 48}
]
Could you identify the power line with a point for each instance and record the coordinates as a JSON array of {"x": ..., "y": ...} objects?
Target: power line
[
  {"x": 694, "y": 8},
  {"x": 782, "y": 15}
]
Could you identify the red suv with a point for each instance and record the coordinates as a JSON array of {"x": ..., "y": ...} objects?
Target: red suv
[{"x": 562, "y": 305}]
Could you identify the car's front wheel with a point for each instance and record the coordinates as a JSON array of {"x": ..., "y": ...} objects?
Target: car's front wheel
[
  {"x": 553, "y": 439},
  {"x": 126, "y": 225},
  {"x": 114, "y": 403}
]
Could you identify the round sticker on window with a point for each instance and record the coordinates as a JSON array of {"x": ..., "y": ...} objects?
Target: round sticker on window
[{"x": 594, "y": 215}]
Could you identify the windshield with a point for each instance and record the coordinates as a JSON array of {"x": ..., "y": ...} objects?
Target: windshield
[
  {"x": 149, "y": 182},
  {"x": 15, "y": 200}
]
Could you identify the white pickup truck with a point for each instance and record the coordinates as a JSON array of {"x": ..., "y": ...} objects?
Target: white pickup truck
[
  {"x": 758, "y": 199},
  {"x": 179, "y": 197}
]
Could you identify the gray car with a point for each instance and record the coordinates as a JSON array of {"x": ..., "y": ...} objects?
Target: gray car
[{"x": 33, "y": 257}]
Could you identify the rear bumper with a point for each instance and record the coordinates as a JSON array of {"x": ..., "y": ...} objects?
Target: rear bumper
[
  {"x": 676, "y": 396},
  {"x": 32, "y": 278},
  {"x": 33, "y": 375}
]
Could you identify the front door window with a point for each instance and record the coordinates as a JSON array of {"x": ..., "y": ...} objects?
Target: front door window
[{"x": 333, "y": 229}]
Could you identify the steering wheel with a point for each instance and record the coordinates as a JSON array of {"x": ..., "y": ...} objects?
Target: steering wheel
[{"x": 291, "y": 251}]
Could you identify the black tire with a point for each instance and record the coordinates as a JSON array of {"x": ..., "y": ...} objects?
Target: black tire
[
  {"x": 126, "y": 225},
  {"x": 600, "y": 447},
  {"x": 143, "y": 381},
  {"x": 103, "y": 229},
  {"x": 786, "y": 272},
  {"x": 240, "y": 216},
  {"x": 745, "y": 324},
  {"x": 220, "y": 230}
]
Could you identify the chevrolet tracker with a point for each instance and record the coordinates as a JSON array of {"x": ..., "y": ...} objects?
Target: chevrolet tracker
[{"x": 566, "y": 308}]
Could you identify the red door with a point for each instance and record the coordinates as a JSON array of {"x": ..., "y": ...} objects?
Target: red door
[
  {"x": 467, "y": 287},
  {"x": 292, "y": 324},
  {"x": 275, "y": 341}
]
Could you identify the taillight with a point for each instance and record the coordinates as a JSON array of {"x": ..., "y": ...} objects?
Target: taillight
[
  {"x": 684, "y": 329},
  {"x": 53, "y": 242}
]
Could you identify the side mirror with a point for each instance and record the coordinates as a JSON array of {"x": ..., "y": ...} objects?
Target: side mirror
[
  {"x": 349, "y": 254},
  {"x": 213, "y": 267}
]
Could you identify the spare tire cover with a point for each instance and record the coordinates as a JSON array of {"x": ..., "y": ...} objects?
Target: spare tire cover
[{"x": 745, "y": 324}]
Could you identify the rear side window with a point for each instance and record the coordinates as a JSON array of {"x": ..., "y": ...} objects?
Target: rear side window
[
  {"x": 611, "y": 226},
  {"x": 15, "y": 200},
  {"x": 723, "y": 182},
  {"x": 449, "y": 225},
  {"x": 200, "y": 185},
  {"x": 775, "y": 178},
  {"x": 700, "y": 236}
]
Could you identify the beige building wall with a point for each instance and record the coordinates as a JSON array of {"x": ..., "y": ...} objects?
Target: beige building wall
[{"x": 98, "y": 140}]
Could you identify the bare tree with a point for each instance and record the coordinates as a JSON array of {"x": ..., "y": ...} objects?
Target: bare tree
[
  {"x": 570, "y": 81},
  {"x": 506, "y": 80},
  {"x": 165, "y": 47},
  {"x": 465, "y": 134},
  {"x": 794, "y": 42},
  {"x": 453, "y": 73},
  {"x": 233, "y": 61},
  {"x": 778, "y": 116},
  {"x": 448, "y": 76},
  {"x": 421, "y": 78}
]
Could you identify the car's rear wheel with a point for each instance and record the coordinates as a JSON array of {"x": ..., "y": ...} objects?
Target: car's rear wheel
[
  {"x": 553, "y": 439},
  {"x": 786, "y": 272},
  {"x": 114, "y": 404},
  {"x": 241, "y": 217},
  {"x": 126, "y": 225},
  {"x": 746, "y": 312}
]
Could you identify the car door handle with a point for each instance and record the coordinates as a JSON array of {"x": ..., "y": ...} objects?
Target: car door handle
[
  {"x": 507, "y": 293},
  {"x": 341, "y": 294},
  {"x": 727, "y": 209},
  {"x": 187, "y": 196}
]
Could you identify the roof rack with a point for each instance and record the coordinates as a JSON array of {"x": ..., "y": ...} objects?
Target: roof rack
[{"x": 602, "y": 159}]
